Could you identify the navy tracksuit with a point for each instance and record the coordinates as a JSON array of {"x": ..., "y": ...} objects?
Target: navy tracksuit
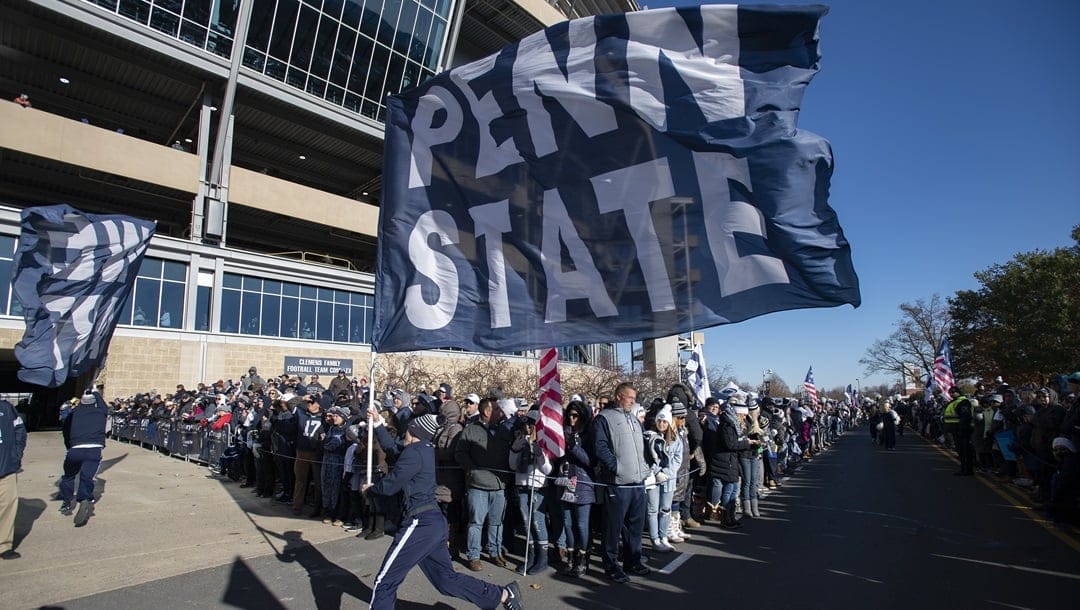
[
  {"x": 84, "y": 436},
  {"x": 422, "y": 537}
]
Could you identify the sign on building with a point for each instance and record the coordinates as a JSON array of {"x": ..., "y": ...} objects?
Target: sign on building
[{"x": 300, "y": 365}]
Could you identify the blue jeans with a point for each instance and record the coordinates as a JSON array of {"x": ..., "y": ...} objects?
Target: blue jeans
[
  {"x": 751, "y": 478},
  {"x": 575, "y": 519},
  {"x": 490, "y": 506},
  {"x": 539, "y": 514},
  {"x": 658, "y": 510}
]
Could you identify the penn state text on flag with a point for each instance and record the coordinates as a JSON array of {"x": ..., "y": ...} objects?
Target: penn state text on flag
[
  {"x": 609, "y": 179},
  {"x": 808, "y": 385},
  {"x": 942, "y": 369},
  {"x": 549, "y": 430},
  {"x": 698, "y": 375},
  {"x": 73, "y": 273}
]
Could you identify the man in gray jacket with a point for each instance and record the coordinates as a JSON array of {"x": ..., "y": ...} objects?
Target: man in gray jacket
[
  {"x": 483, "y": 450},
  {"x": 620, "y": 453}
]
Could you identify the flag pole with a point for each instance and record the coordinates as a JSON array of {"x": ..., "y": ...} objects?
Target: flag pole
[
  {"x": 528, "y": 525},
  {"x": 370, "y": 417}
]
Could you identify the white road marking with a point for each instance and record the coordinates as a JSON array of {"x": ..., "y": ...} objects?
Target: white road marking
[
  {"x": 674, "y": 565},
  {"x": 1012, "y": 567}
]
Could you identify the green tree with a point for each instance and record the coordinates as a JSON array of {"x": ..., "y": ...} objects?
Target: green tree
[{"x": 1021, "y": 322}]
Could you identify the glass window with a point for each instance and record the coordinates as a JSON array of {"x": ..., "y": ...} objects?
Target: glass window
[
  {"x": 406, "y": 25},
  {"x": 231, "y": 280},
  {"x": 262, "y": 18},
  {"x": 325, "y": 328},
  {"x": 150, "y": 267},
  {"x": 342, "y": 60},
  {"x": 418, "y": 45},
  {"x": 326, "y": 294},
  {"x": 360, "y": 63},
  {"x": 173, "y": 6},
  {"x": 307, "y": 319},
  {"x": 442, "y": 8},
  {"x": 230, "y": 311},
  {"x": 356, "y": 325},
  {"x": 431, "y": 49},
  {"x": 250, "y": 310},
  {"x": 253, "y": 283},
  {"x": 225, "y": 13},
  {"x": 284, "y": 24},
  {"x": 271, "y": 287},
  {"x": 109, "y": 4},
  {"x": 307, "y": 292},
  {"x": 333, "y": 8},
  {"x": 164, "y": 21},
  {"x": 147, "y": 301},
  {"x": 174, "y": 271},
  {"x": 271, "y": 310},
  {"x": 193, "y": 34},
  {"x": 394, "y": 74},
  {"x": 341, "y": 323},
  {"x": 5, "y": 287},
  {"x": 203, "y": 300},
  {"x": 290, "y": 311},
  {"x": 198, "y": 11},
  {"x": 172, "y": 305},
  {"x": 290, "y": 290},
  {"x": 388, "y": 22},
  {"x": 306, "y": 29},
  {"x": 379, "y": 59},
  {"x": 136, "y": 10},
  {"x": 324, "y": 47},
  {"x": 370, "y": 22}
]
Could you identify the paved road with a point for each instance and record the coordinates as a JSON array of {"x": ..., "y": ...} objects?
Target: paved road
[{"x": 858, "y": 527}]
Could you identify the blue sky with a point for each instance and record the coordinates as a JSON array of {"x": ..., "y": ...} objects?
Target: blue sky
[{"x": 956, "y": 133}]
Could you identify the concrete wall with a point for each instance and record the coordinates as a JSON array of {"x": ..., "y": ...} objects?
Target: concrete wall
[{"x": 51, "y": 136}]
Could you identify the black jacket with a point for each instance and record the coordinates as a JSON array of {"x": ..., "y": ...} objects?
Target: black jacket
[{"x": 722, "y": 443}]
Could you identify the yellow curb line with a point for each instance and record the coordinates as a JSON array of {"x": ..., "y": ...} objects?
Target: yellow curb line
[{"x": 1019, "y": 505}]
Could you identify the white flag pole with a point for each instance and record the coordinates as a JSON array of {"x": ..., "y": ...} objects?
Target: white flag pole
[{"x": 371, "y": 418}]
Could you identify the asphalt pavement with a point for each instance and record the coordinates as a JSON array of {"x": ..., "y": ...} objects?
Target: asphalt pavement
[{"x": 856, "y": 527}]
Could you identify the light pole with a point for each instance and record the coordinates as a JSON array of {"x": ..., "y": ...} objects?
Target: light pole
[
  {"x": 858, "y": 387},
  {"x": 765, "y": 381}
]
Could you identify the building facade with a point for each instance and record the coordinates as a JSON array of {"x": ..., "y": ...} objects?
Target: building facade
[{"x": 251, "y": 132}]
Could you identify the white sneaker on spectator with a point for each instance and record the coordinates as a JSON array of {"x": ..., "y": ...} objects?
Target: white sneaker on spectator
[{"x": 661, "y": 546}]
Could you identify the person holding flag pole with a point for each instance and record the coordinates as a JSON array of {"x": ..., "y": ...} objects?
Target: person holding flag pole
[{"x": 421, "y": 538}]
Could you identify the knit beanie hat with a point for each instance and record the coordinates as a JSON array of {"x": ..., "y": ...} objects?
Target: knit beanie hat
[
  {"x": 678, "y": 409},
  {"x": 424, "y": 427},
  {"x": 665, "y": 414}
]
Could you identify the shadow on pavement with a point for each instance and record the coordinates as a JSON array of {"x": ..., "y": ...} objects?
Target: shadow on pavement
[
  {"x": 329, "y": 581},
  {"x": 29, "y": 510}
]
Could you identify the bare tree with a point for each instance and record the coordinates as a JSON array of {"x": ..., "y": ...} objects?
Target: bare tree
[
  {"x": 913, "y": 342},
  {"x": 404, "y": 370},
  {"x": 592, "y": 382},
  {"x": 491, "y": 375}
]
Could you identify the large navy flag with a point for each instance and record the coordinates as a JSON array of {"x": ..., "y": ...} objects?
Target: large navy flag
[
  {"x": 72, "y": 274},
  {"x": 610, "y": 179}
]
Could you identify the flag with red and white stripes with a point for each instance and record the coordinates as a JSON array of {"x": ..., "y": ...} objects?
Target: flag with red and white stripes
[
  {"x": 808, "y": 385},
  {"x": 942, "y": 370},
  {"x": 549, "y": 431}
]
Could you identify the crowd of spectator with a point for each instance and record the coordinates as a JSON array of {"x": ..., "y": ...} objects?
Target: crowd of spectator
[
  {"x": 632, "y": 469},
  {"x": 1025, "y": 436}
]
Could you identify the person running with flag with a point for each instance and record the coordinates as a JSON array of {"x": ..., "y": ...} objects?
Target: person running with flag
[{"x": 422, "y": 537}]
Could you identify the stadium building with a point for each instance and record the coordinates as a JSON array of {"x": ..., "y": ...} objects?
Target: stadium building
[{"x": 251, "y": 132}]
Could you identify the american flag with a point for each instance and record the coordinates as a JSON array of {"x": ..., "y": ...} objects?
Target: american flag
[
  {"x": 73, "y": 273},
  {"x": 942, "y": 370},
  {"x": 549, "y": 431},
  {"x": 808, "y": 385}
]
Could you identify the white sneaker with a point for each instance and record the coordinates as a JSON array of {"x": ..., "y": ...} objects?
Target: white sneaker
[{"x": 661, "y": 546}]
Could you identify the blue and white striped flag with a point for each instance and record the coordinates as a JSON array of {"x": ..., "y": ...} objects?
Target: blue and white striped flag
[
  {"x": 610, "y": 179},
  {"x": 698, "y": 376},
  {"x": 73, "y": 273}
]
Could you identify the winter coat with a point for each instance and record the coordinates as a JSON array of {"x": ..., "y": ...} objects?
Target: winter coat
[
  {"x": 682, "y": 483},
  {"x": 481, "y": 450},
  {"x": 529, "y": 463},
  {"x": 449, "y": 477},
  {"x": 722, "y": 443},
  {"x": 576, "y": 468}
]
